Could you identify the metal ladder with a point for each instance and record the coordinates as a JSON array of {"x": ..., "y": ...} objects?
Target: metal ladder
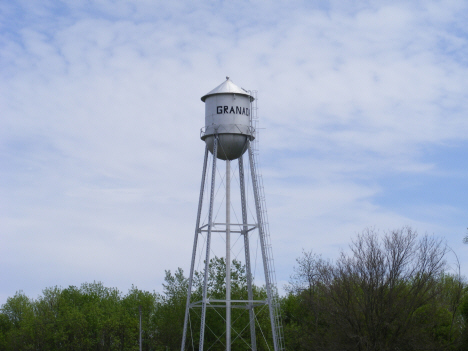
[{"x": 266, "y": 227}]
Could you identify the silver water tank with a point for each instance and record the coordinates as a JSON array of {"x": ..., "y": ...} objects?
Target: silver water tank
[{"x": 228, "y": 115}]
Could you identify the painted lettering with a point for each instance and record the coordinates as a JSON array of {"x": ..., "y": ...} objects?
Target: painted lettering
[{"x": 233, "y": 109}]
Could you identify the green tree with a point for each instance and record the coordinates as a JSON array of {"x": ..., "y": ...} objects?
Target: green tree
[
  {"x": 388, "y": 293},
  {"x": 170, "y": 308},
  {"x": 92, "y": 317},
  {"x": 169, "y": 317},
  {"x": 18, "y": 321},
  {"x": 148, "y": 302}
]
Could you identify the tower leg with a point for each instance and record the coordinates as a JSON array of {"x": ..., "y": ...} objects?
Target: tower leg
[
  {"x": 208, "y": 243},
  {"x": 194, "y": 251},
  {"x": 228, "y": 255},
  {"x": 253, "y": 338},
  {"x": 263, "y": 248}
]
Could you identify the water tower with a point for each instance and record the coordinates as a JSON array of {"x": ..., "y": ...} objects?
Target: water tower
[{"x": 229, "y": 133}]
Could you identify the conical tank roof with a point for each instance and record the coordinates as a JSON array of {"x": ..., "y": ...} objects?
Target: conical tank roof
[{"x": 227, "y": 87}]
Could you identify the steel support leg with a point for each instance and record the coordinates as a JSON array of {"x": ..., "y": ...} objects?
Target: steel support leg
[
  {"x": 208, "y": 243},
  {"x": 248, "y": 268},
  {"x": 194, "y": 251},
  {"x": 261, "y": 231},
  {"x": 228, "y": 255}
]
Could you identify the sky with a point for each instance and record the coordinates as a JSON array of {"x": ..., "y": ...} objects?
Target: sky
[{"x": 363, "y": 124}]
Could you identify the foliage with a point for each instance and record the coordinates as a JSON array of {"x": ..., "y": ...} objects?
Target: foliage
[
  {"x": 391, "y": 293},
  {"x": 215, "y": 325},
  {"x": 91, "y": 317},
  {"x": 94, "y": 317}
]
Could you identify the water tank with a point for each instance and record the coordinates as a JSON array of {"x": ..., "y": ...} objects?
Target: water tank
[{"x": 227, "y": 115}]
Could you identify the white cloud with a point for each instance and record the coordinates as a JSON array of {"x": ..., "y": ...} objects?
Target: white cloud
[{"x": 101, "y": 111}]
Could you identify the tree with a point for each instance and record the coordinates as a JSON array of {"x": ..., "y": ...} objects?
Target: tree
[
  {"x": 215, "y": 323},
  {"x": 387, "y": 293},
  {"x": 171, "y": 309},
  {"x": 16, "y": 321},
  {"x": 92, "y": 317}
]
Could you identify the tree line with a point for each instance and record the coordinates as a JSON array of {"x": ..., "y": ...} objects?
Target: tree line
[{"x": 395, "y": 291}]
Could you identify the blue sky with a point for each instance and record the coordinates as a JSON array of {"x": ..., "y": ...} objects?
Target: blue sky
[{"x": 363, "y": 108}]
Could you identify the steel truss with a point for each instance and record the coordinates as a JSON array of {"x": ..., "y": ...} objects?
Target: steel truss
[{"x": 211, "y": 227}]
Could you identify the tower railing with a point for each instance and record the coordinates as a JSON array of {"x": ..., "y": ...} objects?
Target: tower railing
[
  {"x": 226, "y": 129},
  {"x": 266, "y": 228}
]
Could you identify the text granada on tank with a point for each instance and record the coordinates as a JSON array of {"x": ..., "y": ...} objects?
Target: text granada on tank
[{"x": 237, "y": 110}]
